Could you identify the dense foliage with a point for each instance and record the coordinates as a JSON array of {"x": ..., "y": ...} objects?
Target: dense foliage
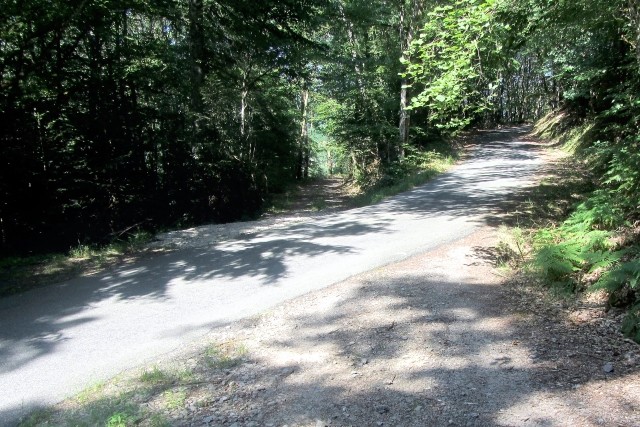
[
  {"x": 491, "y": 61},
  {"x": 116, "y": 114},
  {"x": 590, "y": 56},
  {"x": 125, "y": 115},
  {"x": 598, "y": 247}
]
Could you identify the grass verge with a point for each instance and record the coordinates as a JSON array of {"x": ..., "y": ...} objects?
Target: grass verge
[
  {"x": 154, "y": 396},
  {"x": 418, "y": 167},
  {"x": 20, "y": 274}
]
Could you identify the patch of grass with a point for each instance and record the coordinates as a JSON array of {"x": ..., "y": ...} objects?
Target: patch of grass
[
  {"x": 120, "y": 419},
  {"x": 417, "y": 168},
  {"x": 174, "y": 399},
  {"x": 571, "y": 134},
  {"x": 82, "y": 252},
  {"x": 158, "y": 420},
  {"x": 89, "y": 394},
  {"x": 20, "y": 274},
  {"x": 121, "y": 402},
  {"x": 225, "y": 355},
  {"x": 281, "y": 202},
  {"x": 37, "y": 417},
  {"x": 318, "y": 204},
  {"x": 155, "y": 376},
  {"x": 512, "y": 250},
  {"x": 185, "y": 376},
  {"x": 106, "y": 410}
]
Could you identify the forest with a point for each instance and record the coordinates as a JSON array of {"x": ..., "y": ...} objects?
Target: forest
[{"x": 124, "y": 116}]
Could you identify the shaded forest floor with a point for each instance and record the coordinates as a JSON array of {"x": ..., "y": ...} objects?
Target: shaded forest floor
[{"x": 322, "y": 194}]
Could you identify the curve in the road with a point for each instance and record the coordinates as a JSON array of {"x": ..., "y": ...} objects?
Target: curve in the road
[{"x": 56, "y": 340}]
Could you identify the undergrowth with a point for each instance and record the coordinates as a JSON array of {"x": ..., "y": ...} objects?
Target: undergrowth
[
  {"x": 597, "y": 247},
  {"x": 418, "y": 166},
  {"x": 19, "y": 274},
  {"x": 151, "y": 398}
]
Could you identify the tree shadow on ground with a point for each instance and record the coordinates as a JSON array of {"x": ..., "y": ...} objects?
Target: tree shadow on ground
[
  {"x": 36, "y": 323},
  {"x": 417, "y": 352},
  {"x": 498, "y": 170},
  {"x": 563, "y": 183},
  {"x": 409, "y": 351}
]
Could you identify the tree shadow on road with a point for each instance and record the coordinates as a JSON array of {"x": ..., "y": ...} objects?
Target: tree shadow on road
[
  {"x": 406, "y": 350},
  {"x": 503, "y": 163},
  {"x": 35, "y": 323}
]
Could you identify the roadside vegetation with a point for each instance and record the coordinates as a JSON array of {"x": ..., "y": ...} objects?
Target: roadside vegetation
[
  {"x": 574, "y": 68},
  {"x": 150, "y": 397},
  {"x": 578, "y": 231},
  {"x": 597, "y": 246},
  {"x": 22, "y": 273}
]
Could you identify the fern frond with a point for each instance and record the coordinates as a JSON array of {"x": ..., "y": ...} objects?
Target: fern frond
[
  {"x": 603, "y": 259},
  {"x": 624, "y": 274}
]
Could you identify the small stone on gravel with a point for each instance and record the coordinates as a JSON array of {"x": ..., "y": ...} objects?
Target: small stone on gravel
[{"x": 381, "y": 409}]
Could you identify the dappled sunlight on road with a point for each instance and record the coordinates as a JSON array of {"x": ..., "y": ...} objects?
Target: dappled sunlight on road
[{"x": 163, "y": 300}]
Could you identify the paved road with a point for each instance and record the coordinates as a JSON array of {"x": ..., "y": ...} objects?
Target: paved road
[{"x": 57, "y": 340}]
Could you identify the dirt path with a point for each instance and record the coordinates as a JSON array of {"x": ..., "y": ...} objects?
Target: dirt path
[{"x": 326, "y": 194}]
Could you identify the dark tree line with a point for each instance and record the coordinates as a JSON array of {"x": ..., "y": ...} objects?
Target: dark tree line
[
  {"x": 116, "y": 114},
  {"x": 148, "y": 113}
]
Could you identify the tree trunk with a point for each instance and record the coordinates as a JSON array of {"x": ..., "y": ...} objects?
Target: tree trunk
[
  {"x": 302, "y": 169},
  {"x": 196, "y": 50},
  {"x": 634, "y": 19},
  {"x": 354, "y": 53},
  {"x": 244, "y": 93},
  {"x": 407, "y": 29}
]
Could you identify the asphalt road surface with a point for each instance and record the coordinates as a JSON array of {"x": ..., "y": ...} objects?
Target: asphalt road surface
[{"x": 55, "y": 341}]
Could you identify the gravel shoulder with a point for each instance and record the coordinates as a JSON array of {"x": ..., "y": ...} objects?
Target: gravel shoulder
[
  {"x": 442, "y": 338},
  {"x": 438, "y": 339},
  {"x": 206, "y": 235}
]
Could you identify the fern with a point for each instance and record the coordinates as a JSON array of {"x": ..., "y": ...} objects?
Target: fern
[
  {"x": 603, "y": 260},
  {"x": 631, "y": 323},
  {"x": 601, "y": 210},
  {"x": 623, "y": 274},
  {"x": 557, "y": 262}
]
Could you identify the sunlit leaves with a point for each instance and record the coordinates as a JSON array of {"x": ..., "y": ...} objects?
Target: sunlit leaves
[{"x": 453, "y": 62}]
